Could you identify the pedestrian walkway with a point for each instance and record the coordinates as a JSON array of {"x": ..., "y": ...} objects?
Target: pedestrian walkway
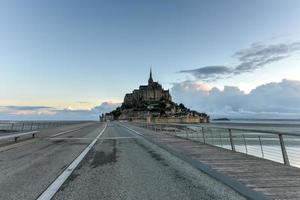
[{"x": 273, "y": 180}]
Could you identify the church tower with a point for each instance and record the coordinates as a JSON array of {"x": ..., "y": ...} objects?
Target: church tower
[{"x": 150, "y": 80}]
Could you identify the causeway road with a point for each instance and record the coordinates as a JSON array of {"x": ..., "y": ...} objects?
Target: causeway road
[{"x": 99, "y": 161}]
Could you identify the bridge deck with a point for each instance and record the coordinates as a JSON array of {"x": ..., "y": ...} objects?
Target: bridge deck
[{"x": 274, "y": 180}]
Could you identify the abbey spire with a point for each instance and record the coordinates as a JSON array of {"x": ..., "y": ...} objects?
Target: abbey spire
[{"x": 150, "y": 80}]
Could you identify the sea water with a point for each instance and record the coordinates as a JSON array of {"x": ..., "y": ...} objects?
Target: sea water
[{"x": 253, "y": 140}]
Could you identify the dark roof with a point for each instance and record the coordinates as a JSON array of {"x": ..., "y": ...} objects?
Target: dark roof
[{"x": 143, "y": 86}]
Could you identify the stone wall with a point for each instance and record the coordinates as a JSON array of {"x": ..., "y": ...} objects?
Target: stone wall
[{"x": 185, "y": 120}]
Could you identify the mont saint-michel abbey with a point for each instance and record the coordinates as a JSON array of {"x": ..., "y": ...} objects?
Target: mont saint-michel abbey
[
  {"x": 152, "y": 103},
  {"x": 153, "y": 92}
]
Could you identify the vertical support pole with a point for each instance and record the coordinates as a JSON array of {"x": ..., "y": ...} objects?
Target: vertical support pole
[
  {"x": 221, "y": 142},
  {"x": 12, "y": 127},
  {"x": 261, "y": 148},
  {"x": 283, "y": 150},
  {"x": 231, "y": 140},
  {"x": 23, "y": 125},
  {"x": 203, "y": 134},
  {"x": 245, "y": 144},
  {"x": 186, "y": 132},
  {"x": 31, "y": 126},
  {"x": 212, "y": 137}
]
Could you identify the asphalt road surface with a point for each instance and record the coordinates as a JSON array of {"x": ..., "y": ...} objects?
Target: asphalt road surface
[{"x": 121, "y": 165}]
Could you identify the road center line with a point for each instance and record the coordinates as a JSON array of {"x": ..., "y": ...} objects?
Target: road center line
[
  {"x": 131, "y": 129},
  {"x": 64, "y": 132},
  {"x": 116, "y": 138},
  {"x": 83, "y": 138},
  {"x": 54, "y": 187},
  {"x": 59, "y": 138}
]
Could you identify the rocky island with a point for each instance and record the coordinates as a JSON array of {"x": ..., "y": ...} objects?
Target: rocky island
[{"x": 154, "y": 104}]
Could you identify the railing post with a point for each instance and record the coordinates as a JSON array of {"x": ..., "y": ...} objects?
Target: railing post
[
  {"x": 221, "y": 142},
  {"x": 261, "y": 148},
  {"x": 245, "y": 144},
  {"x": 186, "y": 132},
  {"x": 12, "y": 127},
  {"x": 231, "y": 140},
  {"x": 31, "y": 126},
  {"x": 203, "y": 134},
  {"x": 283, "y": 150},
  {"x": 212, "y": 138},
  {"x": 23, "y": 126}
]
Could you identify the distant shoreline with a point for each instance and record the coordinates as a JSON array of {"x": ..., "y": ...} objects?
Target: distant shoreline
[{"x": 253, "y": 119}]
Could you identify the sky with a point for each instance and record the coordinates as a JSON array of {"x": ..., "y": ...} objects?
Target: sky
[{"x": 64, "y": 59}]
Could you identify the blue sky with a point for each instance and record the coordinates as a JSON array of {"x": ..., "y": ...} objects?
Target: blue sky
[{"x": 75, "y": 55}]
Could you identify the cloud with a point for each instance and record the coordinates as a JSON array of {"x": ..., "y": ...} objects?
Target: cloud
[
  {"x": 106, "y": 107},
  {"x": 208, "y": 72},
  {"x": 272, "y": 100},
  {"x": 249, "y": 59},
  {"x": 26, "y": 110},
  {"x": 50, "y": 113},
  {"x": 32, "y": 108},
  {"x": 82, "y": 102}
]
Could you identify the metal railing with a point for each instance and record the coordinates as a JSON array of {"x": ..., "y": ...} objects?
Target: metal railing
[
  {"x": 32, "y": 125},
  {"x": 17, "y": 135},
  {"x": 14, "y": 130},
  {"x": 277, "y": 146}
]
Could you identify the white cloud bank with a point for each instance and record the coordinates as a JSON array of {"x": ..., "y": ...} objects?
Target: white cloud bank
[
  {"x": 50, "y": 113},
  {"x": 272, "y": 100}
]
